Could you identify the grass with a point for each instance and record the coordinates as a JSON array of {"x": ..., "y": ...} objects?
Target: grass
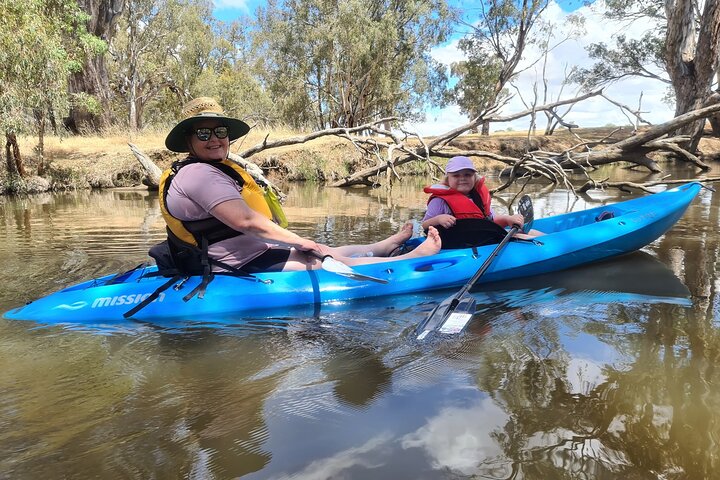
[
  {"x": 105, "y": 160},
  {"x": 115, "y": 142}
]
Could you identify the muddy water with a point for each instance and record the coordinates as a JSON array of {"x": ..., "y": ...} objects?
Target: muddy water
[{"x": 608, "y": 371}]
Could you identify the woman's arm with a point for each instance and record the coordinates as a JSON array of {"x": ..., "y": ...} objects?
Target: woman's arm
[{"x": 238, "y": 215}]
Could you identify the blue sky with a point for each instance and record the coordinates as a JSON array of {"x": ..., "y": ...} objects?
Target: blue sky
[
  {"x": 229, "y": 10},
  {"x": 647, "y": 94}
]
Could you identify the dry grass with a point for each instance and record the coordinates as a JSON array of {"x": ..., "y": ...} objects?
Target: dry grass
[
  {"x": 108, "y": 155},
  {"x": 115, "y": 142}
]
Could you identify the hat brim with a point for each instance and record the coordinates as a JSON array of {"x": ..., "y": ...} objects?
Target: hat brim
[
  {"x": 459, "y": 169},
  {"x": 176, "y": 140}
]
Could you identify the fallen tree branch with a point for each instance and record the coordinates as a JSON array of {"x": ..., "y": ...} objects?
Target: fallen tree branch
[
  {"x": 452, "y": 134},
  {"x": 645, "y": 187},
  {"x": 152, "y": 171},
  {"x": 284, "y": 142}
]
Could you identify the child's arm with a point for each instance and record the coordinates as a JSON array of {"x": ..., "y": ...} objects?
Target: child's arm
[
  {"x": 437, "y": 214},
  {"x": 509, "y": 220},
  {"x": 443, "y": 220}
]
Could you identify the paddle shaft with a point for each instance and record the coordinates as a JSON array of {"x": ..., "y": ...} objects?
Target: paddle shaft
[
  {"x": 466, "y": 288},
  {"x": 438, "y": 317}
]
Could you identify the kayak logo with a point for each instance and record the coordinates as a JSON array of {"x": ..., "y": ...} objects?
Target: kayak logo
[
  {"x": 72, "y": 306},
  {"x": 131, "y": 299}
]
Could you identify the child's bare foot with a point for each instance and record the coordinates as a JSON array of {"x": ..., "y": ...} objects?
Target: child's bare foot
[{"x": 430, "y": 246}]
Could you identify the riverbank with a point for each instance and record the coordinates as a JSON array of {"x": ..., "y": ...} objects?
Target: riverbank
[{"x": 95, "y": 162}]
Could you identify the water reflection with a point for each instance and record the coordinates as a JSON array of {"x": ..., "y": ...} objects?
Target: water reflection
[{"x": 608, "y": 371}]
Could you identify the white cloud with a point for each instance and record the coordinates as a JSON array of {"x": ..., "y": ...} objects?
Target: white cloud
[
  {"x": 242, "y": 5},
  {"x": 593, "y": 112},
  {"x": 438, "y": 121},
  {"x": 460, "y": 439},
  {"x": 336, "y": 465},
  {"x": 584, "y": 376}
]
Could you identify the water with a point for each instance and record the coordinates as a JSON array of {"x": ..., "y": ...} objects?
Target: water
[{"x": 602, "y": 372}]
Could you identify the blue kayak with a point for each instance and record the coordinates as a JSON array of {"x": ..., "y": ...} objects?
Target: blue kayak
[{"x": 571, "y": 239}]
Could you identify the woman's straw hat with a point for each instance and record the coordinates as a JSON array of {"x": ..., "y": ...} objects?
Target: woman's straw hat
[{"x": 197, "y": 109}]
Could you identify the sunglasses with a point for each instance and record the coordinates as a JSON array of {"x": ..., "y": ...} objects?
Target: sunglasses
[{"x": 204, "y": 134}]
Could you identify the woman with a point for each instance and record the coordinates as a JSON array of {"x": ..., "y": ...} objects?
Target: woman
[
  {"x": 463, "y": 197},
  {"x": 215, "y": 210}
]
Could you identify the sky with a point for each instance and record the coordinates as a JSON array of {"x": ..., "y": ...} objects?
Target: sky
[{"x": 590, "y": 113}]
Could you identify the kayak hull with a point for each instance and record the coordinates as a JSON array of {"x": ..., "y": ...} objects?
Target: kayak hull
[{"x": 571, "y": 240}]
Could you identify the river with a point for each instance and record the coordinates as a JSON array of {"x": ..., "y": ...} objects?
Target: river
[{"x": 604, "y": 372}]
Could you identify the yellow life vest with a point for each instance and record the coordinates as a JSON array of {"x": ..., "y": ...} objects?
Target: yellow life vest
[{"x": 211, "y": 228}]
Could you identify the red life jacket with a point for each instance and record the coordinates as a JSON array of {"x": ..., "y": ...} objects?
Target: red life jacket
[{"x": 476, "y": 205}]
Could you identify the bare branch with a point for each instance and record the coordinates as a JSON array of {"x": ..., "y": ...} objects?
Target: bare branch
[{"x": 312, "y": 136}]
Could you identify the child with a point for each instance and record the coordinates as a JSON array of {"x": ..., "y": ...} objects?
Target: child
[{"x": 460, "y": 209}]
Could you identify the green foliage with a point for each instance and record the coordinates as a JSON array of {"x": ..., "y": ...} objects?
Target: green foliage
[
  {"x": 493, "y": 51},
  {"x": 308, "y": 166},
  {"x": 344, "y": 63},
  {"x": 628, "y": 57},
  {"x": 478, "y": 77},
  {"x": 167, "y": 51},
  {"x": 86, "y": 102},
  {"x": 42, "y": 42},
  {"x": 635, "y": 9},
  {"x": 160, "y": 44}
]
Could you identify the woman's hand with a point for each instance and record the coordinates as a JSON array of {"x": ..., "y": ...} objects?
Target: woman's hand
[{"x": 312, "y": 247}]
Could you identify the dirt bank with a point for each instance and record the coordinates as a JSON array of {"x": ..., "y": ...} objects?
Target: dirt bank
[{"x": 106, "y": 163}]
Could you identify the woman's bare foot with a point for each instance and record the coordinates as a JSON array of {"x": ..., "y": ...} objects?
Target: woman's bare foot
[
  {"x": 430, "y": 246},
  {"x": 402, "y": 236}
]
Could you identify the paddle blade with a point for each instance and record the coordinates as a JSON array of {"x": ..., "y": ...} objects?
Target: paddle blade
[
  {"x": 339, "y": 268},
  {"x": 525, "y": 208},
  {"x": 448, "y": 318}
]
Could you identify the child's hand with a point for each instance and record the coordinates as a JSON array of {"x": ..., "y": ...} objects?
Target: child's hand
[
  {"x": 516, "y": 219},
  {"x": 445, "y": 220}
]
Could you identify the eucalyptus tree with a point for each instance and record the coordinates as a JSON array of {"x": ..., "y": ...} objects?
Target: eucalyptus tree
[
  {"x": 231, "y": 75},
  {"x": 681, "y": 48},
  {"x": 92, "y": 82},
  {"x": 42, "y": 42},
  {"x": 168, "y": 51},
  {"x": 343, "y": 63},
  {"x": 160, "y": 45},
  {"x": 494, "y": 48}
]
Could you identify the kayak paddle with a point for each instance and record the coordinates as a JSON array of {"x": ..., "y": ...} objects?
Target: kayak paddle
[
  {"x": 525, "y": 208},
  {"x": 339, "y": 268},
  {"x": 455, "y": 312}
]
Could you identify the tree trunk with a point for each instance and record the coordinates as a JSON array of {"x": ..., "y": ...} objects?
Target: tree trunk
[
  {"x": 715, "y": 119},
  {"x": 40, "y": 118},
  {"x": 12, "y": 152},
  {"x": 485, "y": 129},
  {"x": 93, "y": 78},
  {"x": 692, "y": 59}
]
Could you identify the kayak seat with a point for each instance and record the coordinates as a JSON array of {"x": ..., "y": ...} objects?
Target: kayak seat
[
  {"x": 406, "y": 247},
  {"x": 160, "y": 252}
]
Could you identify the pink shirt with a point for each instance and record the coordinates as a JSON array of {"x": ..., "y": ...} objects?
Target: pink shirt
[{"x": 198, "y": 188}]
